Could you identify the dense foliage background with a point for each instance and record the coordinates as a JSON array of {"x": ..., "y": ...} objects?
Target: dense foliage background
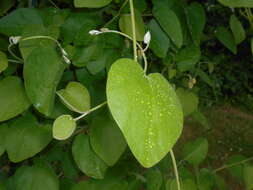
[{"x": 203, "y": 48}]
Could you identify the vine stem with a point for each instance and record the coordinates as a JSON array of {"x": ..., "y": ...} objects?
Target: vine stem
[
  {"x": 105, "y": 30},
  {"x": 133, "y": 29},
  {"x": 175, "y": 168},
  {"x": 91, "y": 110},
  {"x": 231, "y": 165}
]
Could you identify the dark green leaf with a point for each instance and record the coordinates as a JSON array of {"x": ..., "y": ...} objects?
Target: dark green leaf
[
  {"x": 189, "y": 101},
  {"x": 159, "y": 41},
  {"x": 196, "y": 20},
  {"x": 13, "y": 99},
  {"x": 236, "y": 171},
  {"x": 26, "y": 138},
  {"x": 146, "y": 109},
  {"x": 248, "y": 176},
  {"x": 14, "y": 23},
  {"x": 237, "y": 29},
  {"x": 42, "y": 72},
  {"x": 169, "y": 23},
  {"x": 86, "y": 159},
  {"x": 3, "y": 61},
  {"x": 3, "y": 135},
  {"x": 195, "y": 151},
  {"x": 106, "y": 138},
  {"x": 154, "y": 179},
  {"x": 237, "y": 3},
  {"x": 35, "y": 177},
  {"x": 226, "y": 38},
  {"x": 206, "y": 179}
]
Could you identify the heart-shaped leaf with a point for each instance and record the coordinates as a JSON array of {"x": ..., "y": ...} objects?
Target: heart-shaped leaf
[
  {"x": 91, "y": 3},
  {"x": 42, "y": 71},
  {"x": 63, "y": 127},
  {"x": 146, "y": 108},
  {"x": 26, "y": 138},
  {"x": 189, "y": 101},
  {"x": 86, "y": 159},
  {"x": 13, "y": 99},
  {"x": 35, "y": 177},
  {"x": 76, "y": 97},
  {"x": 195, "y": 151},
  {"x": 106, "y": 138},
  {"x": 125, "y": 25},
  {"x": 3, "y": 61}
]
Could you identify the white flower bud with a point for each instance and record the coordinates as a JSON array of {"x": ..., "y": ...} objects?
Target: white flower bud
[
  {"x": 147, "y": 38},
  {"x": 95, "y": 32},
  {"x": 14, "y": 39}
]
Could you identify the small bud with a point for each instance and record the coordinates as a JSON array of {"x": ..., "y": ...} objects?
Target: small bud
[
  {"x": 64, "y": 52},
  {"x": 66, "y": 59},
  {"x": 95, "y": 32},
  {"x": 147, "y": 38},
  {"x": 14, "y": 39}
]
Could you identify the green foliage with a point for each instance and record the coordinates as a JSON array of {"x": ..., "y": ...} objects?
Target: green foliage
[
  {"x": 62, "y": 61},
  {"x": 142, "y": 106}
]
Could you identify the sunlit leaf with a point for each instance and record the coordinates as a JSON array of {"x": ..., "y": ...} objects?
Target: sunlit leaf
[{"x": 146, "y": 108}]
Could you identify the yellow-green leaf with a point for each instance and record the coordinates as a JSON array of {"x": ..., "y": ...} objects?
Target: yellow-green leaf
[
  {"x": 237, "y": 3},
  {"x": 63, "y": 127},
  {"x": 237, "y": 29},
  {"x": 146, "y": 109}
]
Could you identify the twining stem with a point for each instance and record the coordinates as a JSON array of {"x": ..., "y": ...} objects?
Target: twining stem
[
  {"x": 105, "y": 30},
  {"x": 175, "y": 168},
  {"x": 234, "y": 164},
  {"x": 133, "y": 29},
  {"x": 91, "y": 110}
]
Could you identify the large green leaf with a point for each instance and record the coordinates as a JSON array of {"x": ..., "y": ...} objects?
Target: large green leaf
[
  {"x": 195, "y": 151},
  {"x": 35, "y": 177},
  {"x": 248, "y": 176},
  {"x": 14, "y": 23},
  {"x": 226, "y": 38},
  {"x": 3, "y": 61},
  {"x": 169, "y": 23},
  {"x": 76, "y": 97},
  {"x": 237, "y": 3},
  {"x": 26, "y": 138},
  {"x": 189, "y": 101},
  {"x": 106, "y": 138},
  {"x": 13, "y": 99},
  {"x": 42, "y": 71},
  {"x": 91, "y": 3},
  {"x": 196, "y": 20},
  {"x": 237, "y": 29},
  {"x": 86, "y": 159},
  {"x": 159, "y": 40},
  {"x": 3, "y": 135},
  {"x": 146, "y": 108},
  {"x": 125, "y": 25}
]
